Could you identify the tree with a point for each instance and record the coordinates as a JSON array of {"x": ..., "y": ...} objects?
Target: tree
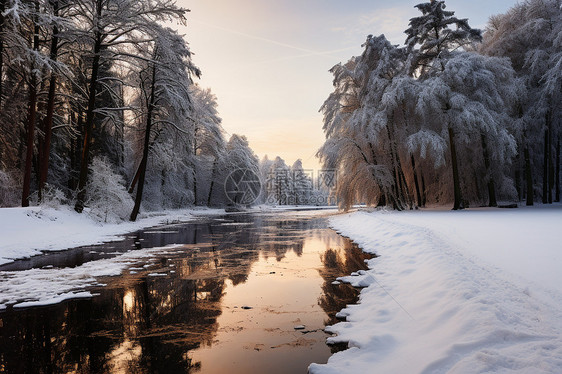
[
  {"x": 529, "y": 35},
  {"x": 165, "y": 81},
  {"x": 365, "y": 120},
  {"x": 110, "y": 27},
  {"x": 472, "y": 102},
  {"x": 107, "y": 196},
  {"x": 432, "y": 38},
  {"x": 208, "y": 138},
  {"x": 240, "y": 163},
  {"x": 397, "y": 114},
  {"x": 430, "y": 42},
  {"x": 75, "y": 83}
]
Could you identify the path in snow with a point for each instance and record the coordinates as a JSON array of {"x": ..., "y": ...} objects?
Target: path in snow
[{"x": 432, "y": 305}]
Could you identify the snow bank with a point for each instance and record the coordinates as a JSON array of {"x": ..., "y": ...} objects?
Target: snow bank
[
  {"x": 459, "y": 292},
  {"x": 27, "y": 232}
]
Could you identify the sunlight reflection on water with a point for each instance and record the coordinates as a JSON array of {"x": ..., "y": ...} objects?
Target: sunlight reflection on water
[{"x": 228, "y": 300}]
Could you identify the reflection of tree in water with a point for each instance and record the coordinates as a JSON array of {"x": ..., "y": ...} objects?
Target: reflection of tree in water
[
  {"x": 338, "y": 262},
  {"x": 281, "y": 236},
  {"x": 147, "y": 327},
  {"x": 147, "y": 324}
]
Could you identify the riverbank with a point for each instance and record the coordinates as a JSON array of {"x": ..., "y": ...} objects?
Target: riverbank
[
  {"x": 31, "y": 231},
  {"x": 470, "y": 291},
  {"x": 28, "y": 232}
]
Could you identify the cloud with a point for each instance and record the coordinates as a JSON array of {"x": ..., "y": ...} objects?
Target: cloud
[
  {"x": 338, "y": 29},
  {"x": 388, "y": 21}
]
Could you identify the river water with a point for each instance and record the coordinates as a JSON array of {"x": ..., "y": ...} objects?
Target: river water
[{"x": 245, "y": 293}]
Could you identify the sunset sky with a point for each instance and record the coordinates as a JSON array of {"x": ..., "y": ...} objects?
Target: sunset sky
[{"x": 268, "y": 60}]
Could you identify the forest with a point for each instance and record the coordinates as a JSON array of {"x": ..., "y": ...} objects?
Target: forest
[
  {"x": 99, "y": 110},
  {"x": 456, "y": 115}
]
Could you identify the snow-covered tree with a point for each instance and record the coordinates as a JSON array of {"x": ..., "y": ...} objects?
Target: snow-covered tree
[
  {"x": 107, "y": 198},
  {"x": 240, "y": 163},
  {"x": 431, "y": 36},
  {"x": 529, "y": 34},
  {"x": 399, "y": 115},
  {"x": 110, "y": 29},
  {"x": 8, "y": 190},
  {"x": 471, "y": 104},
  {"x": 25, "y": 62},
  {"x": 302, "y": 184},
  {"x": 431, "y": 42},
  {"x": 208, "y": 142},
  {"x": 165, "y": 96},
  {"x": 359, "y": 121}
]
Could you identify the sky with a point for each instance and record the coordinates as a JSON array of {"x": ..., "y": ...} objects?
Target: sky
[{"x": 268, "y": 61}]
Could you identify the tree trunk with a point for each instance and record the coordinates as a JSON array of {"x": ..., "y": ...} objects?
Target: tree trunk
[
  {"x": 194, "y": 186},
  {"x": 215, "y": 163},
  {"x": 32, "y": 112},
  {"x": 146, "y": 146},
  {"x": 135, "y": 180},
  {"x": 404, "y": 185},
  {"x": 85, "y": 159},
  {"x": 416, "y": 184},
  {"x": 458, "y": 204},
  {"x": 48, "y": 122},
  {"x": 2, "y": 20},
  {"x": 550, "y": 163},
  {"x": 492, "y": 201},
  {"x": 545, "y": 169},
  {"x": 382, "y": 200},
  {"x": 518, "y": 177},
  {"x": 424, "y": 195},
  {"x": 528, "y": 177},
  {"x": 397, "y": 199},
  {"x": 557, "y": 176},
  {"x": 29, "y": 141},
  {"x": 78, "y": 120}
]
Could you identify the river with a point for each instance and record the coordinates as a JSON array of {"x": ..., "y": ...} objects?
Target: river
[{"x": 242, "y": 293}]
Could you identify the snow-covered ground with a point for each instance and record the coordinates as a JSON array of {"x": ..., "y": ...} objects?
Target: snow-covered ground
[
  {"x": 474, "y": 291},
  {"x": 26, "y": 232}
]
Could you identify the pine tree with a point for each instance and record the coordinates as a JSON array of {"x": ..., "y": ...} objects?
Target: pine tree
[{"x": 431, "y": 41}]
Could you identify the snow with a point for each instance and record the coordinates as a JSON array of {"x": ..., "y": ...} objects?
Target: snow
[
  {"x": 27, "y": 232},
  {"x": 46, "y": 286},
  {"x": 471, "y": 291}
]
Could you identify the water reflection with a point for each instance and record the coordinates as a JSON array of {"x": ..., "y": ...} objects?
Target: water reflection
[{"x": 226, "y": 301}]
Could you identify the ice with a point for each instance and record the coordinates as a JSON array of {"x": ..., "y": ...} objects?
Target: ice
[{"x": 49, "y": 286}]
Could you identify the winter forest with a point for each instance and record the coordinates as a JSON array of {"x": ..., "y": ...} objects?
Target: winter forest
[
  {"x": 100, "y": 108},
  {"x": 456, "y": 115}
]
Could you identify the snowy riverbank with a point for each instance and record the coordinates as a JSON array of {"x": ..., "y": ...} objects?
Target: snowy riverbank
[
  {"x": 470, "y": 291},
  {"x": 27, "y": 232}
]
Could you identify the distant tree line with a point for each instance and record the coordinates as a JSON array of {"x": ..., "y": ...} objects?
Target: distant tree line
[
  {"x": 98, "y": 110},
  {"x": 455, "y": 116},
  {"x": 293, "y": 185}
]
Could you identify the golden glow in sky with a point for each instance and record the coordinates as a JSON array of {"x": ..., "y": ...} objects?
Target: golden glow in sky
[{"x": 267, "y": 61}]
